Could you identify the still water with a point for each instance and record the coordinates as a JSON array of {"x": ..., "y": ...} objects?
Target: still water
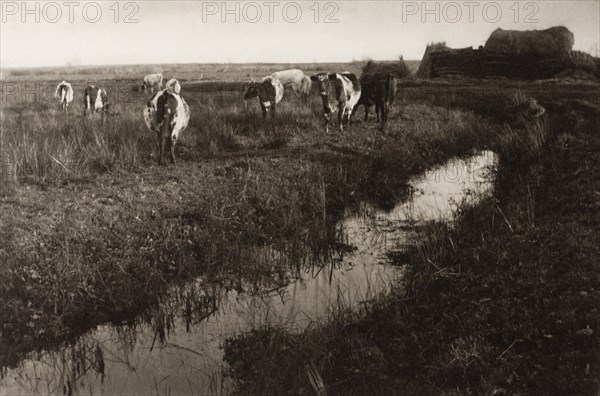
[{"x": 182, "y": 358}]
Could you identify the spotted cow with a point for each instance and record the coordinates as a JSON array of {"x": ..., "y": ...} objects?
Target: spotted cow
[
  {"x": 166, "y": 114},
  {"x": 269, "y": 92},
  {"x": 64, "y": 93},
  {"x": 95, "y": 99},
  {"x": 338, "y": 91}
]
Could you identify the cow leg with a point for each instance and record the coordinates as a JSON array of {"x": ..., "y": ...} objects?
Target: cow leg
[
  {"x": 385, "y": 109},
  {"x": 349, "y": 110},
  {"x": 163, "y": 147},
  {"x": 158, "y": 145},
  {"x": 264, "y": 109},
  {"x": 273, "y": 106},
  {"x": 378, "y": 111},
  {"x": 326, "y": 116},
  {"x": 172, "y": 148},
  {"x": 367, "y": 108},
  {"x": 165, "y": 139},
  {"x": 341, "y": 116}
]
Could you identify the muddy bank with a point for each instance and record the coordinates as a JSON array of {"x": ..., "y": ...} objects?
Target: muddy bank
[{"x": 504, "y": 302}]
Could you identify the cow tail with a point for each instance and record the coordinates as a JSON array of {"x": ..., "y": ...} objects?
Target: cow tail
[{"x": 166, "y": 124}]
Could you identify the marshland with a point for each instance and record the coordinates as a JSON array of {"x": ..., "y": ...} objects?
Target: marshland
[{"x": 120, "y": 276}]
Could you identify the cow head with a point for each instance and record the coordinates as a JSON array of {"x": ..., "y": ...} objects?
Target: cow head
[
  {"x": 323, "y": 81},
  {"x": 252, "y": 91}
]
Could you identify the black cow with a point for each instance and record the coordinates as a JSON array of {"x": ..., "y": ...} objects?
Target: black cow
[{"x": 378, "y": 89}]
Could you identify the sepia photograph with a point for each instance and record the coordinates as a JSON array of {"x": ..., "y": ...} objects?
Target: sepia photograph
[{"x": 303, "y": 197}]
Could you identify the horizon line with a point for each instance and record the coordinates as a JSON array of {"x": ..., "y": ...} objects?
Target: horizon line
[{"x": 203, "y": 63}]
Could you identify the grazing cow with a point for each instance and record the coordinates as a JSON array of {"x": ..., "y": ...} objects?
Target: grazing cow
[
  {"x": 338, "y": 90},
  {"x": 378, "y": 89},
  {"x": 152, "y": 81},
  {"x": 95, "y": 99},
  {"x": 168, "y": 115},
  {"x": 294, "y": 79},
  {"x": 173, "y": 86},
  {"x": 64, "y": 93},
  {"x": 269, "y": 92}
]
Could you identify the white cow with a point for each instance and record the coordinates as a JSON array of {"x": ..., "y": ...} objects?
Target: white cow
[
  {"x": 64, "y": 93},
  {"x": 294, "y": 79},
  {"x": 338, "y": 90},
  {"x": 168, "y": 115},
  {"x": 152, "y": 81}
]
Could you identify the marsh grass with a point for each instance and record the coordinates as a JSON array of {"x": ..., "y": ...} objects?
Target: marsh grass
[{"x": 48, "y": 146}]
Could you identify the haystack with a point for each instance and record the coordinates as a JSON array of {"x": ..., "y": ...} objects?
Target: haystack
[
  {"x": 553, "y": 41},
  {"x": 426, "y": 66}
]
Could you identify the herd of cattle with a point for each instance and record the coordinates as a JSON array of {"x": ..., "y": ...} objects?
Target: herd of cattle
[{"x": 167, "y": 114}]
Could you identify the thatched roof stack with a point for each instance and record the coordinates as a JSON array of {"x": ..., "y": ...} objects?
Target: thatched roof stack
[
  {"x": 556, "y": 40},
  {"x": 425, "y": 67},
  {"x": 529, "y": 54}
]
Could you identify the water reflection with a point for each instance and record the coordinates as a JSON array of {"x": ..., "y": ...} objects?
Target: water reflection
[{"x": 174, "y": 349}]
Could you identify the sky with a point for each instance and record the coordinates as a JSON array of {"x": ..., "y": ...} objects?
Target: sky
[{"x": 58, "y": 33}]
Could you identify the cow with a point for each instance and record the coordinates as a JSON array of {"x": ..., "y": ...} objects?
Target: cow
[
  {"x": 294, "y": 79},
  {"x": 378, "y": 89},
  {"x": 168, "y": 115},
  {"x": 173, "y": 86},
  {"x": 95, "y": 99},
  {"x": 64, "y": 93},
  {"x": 152, "y": 81},
  {"x": 338, "y": 90},
  {"x": 269, "y": 92}
]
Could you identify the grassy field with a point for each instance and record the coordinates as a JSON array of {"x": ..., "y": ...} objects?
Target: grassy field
[{"x": 94, "y": 231}]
